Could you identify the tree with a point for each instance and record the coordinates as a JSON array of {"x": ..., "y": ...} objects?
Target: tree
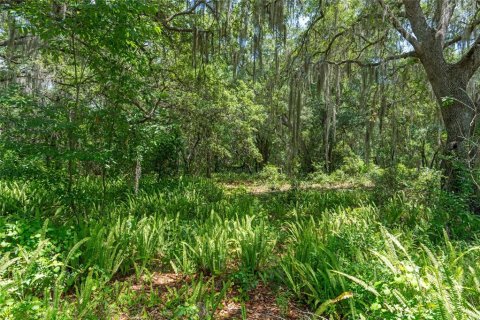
[
  {"x": 300, "y": 85},
  {"x": 428, "y": 37}
]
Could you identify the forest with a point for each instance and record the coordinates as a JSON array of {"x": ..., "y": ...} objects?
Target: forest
[{"x": 239, "y": 159}]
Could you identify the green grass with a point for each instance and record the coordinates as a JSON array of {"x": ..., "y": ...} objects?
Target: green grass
[{"x": 337, "y": 254}]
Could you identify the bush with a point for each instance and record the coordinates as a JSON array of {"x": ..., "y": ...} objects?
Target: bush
[
  {"x": 354, "y": 165},
  {"x": 352, "y": 171},
  {"x": 272, "y": 176},
  {"x": 422, "y": 185}
]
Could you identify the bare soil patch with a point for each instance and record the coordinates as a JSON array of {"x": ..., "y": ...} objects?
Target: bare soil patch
[{"x": 261, "y": 304}]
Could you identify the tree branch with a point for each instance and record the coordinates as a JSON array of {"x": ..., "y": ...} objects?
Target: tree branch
[
  {"x": 398, "y": 25},
  {"x": 415, "y": 15},
  {"x": 166, "y": 21},
  {"x": 470, "y": 62},
  {"x": 442, "y": 18},
  {"x": 468, "y": 30},
  {"x": 17, "y": 41},
  {"x": 190, "y": 10},
  {"x": 410, "y": 54},
  {"x": 330, "y": 44},
  {"x": 320, "y": 15}
]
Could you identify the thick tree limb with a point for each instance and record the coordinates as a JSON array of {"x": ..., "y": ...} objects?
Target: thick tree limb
[
  {"x": 409, "y": 54},
  {"x": 470, "y": 62},
  {"x": 442, "y": 18},
  {"x": 417, "y": 19},
  {"x": 398, "y": 25}
]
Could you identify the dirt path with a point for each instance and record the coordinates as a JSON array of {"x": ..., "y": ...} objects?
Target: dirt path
[{"x": 260, "y": 189}]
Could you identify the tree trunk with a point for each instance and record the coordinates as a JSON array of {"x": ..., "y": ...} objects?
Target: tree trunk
[
  {"x": 209, "y": 164},
  {"x": 458, "y": 124},
  {"x": 326, "y": 136},
  {"x": 138, "y": 174},
  {"x": 393, "y": 150},
  {"x": 368, "y": 144},
  {"x": 458, "y": 114}
]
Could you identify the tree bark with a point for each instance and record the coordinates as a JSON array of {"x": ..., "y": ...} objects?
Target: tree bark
[
  {"x": 458, "y": 114},
  {"x": 138, "y": 174}
]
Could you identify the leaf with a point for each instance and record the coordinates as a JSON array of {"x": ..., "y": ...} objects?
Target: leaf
[
  {"x": 329, "y": 302},
  {"x": 360, "y": 282}
]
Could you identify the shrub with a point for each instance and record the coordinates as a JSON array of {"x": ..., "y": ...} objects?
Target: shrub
[
  {"x": 353, "y": 165},
  {"x": 272, "y": 176},
  {"x": 422, "y": 185}
]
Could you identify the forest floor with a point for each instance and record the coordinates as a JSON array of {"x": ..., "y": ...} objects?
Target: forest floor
[
  {"x": 192, "y": 248},
  {"x": 261, "y": 302}
]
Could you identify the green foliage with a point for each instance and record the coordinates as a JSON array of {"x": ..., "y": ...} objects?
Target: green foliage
[
  {"x": 353, "y": 171},
  {"x": 422, "y": 184},
  {"x": 162, "y": 149},
  {"x": 354, "y": 166},
  {"x": 424, "y": 285},
  {"x": 199, "y": 300},
  {"x": 255, "y": 243},
  {"x": 272, "y": 176},
  {"x": 337, "y": 252},
  {"x": 447, "y": 102},
  {"x": 97, "y": 96},
  {"x": 210, "y": 249}
]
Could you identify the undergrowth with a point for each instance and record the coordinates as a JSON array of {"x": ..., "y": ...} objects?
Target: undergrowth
[{"x": 352, "y": 254}]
